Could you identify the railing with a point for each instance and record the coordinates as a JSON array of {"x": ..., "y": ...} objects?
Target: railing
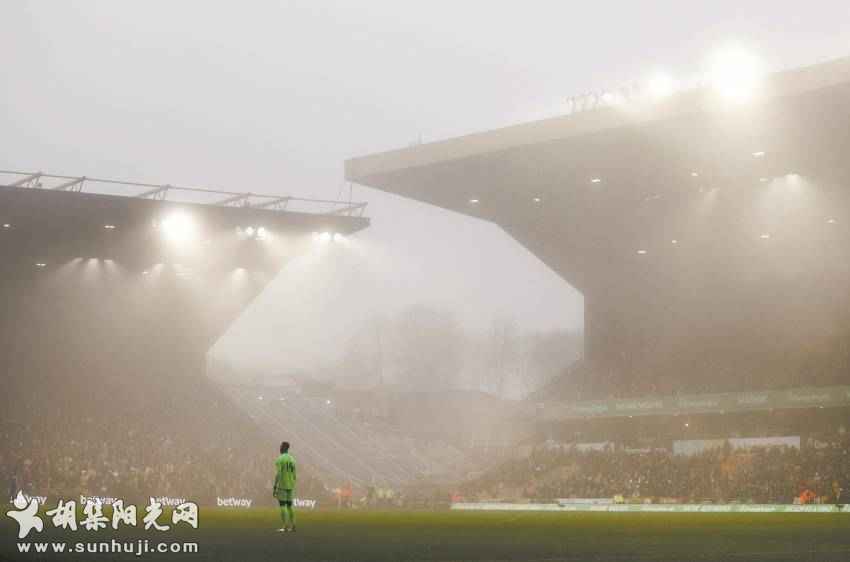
[{"x": 198, "y": 195}]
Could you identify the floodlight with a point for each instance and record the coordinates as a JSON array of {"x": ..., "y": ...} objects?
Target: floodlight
[
  {"x": 661, "y": 85},
  {"x": 179, "y": 228},
  {"x": 596, "y": 180},
  {"x": 339, "y": 237},
  {"x": 473, "y": 201},
  {"x": 735, "y": 74}
]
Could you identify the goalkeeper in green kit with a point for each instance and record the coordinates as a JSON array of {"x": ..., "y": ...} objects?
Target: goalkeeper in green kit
[{"x": 284, "y": 487}]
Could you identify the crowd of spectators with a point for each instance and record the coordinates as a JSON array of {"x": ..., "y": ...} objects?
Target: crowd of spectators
[
  {"x": 817, "y": 472},
  {"x": 185, "y": 443}
]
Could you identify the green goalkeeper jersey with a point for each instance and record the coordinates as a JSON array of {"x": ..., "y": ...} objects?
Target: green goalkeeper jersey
[{"x": 285, "y": 477}]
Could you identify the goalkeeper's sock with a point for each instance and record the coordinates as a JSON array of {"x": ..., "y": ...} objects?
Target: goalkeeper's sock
[
  {"x": 291, "y": 512},
  {"x": 283, "y": 515}
]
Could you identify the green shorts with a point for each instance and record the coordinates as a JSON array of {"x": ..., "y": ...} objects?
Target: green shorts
[{"x": 285, "y": 496}]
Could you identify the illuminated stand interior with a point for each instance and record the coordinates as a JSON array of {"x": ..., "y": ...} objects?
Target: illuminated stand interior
[{"x": 96, "y": 282}]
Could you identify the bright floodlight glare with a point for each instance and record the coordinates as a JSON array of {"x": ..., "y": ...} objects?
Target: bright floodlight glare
[
  {"x": 249, "y": 231},
  {"x": 339, "y": 237},
  {"x": 7, "y": 225},
  {"x": 735, "y": 74},
  {"x": 694, "y": 174},
  {"x": 758, "y": 154},
  {"x": 765, "y": 236},
  {"x": 641, "y": 252},
  {"x": 41, "y": 264},
  {"x": 473, "y": 201},
  {"x": 831, "y": 221},
  {"x": 596, "y": 180},
  {"x": 179, "y": 228},
  {"x": 537, "y": 200},
  {"x": 674, "y": 241},
  {"x": 661, "y": 85}
]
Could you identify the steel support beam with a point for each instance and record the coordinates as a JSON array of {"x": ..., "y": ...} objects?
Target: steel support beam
[
  {"x": 236, "y": 199},
  {"x": 73, "y": 185},
  {"x": 157, "y": 193}
]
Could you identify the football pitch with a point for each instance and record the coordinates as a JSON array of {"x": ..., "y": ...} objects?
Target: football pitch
[{"x": 249, "y": 535}]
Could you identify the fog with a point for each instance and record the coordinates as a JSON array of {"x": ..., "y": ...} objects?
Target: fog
[{"x": 272, "y": 97}]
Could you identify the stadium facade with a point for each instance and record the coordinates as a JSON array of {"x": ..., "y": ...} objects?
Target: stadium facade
[{"x": 710, "y": 239}]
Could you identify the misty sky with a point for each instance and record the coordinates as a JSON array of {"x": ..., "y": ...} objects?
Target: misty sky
[{"x": 271, "y": 97}]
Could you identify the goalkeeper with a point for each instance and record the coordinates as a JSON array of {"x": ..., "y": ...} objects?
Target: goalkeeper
[{"x": 284, "y": 487}]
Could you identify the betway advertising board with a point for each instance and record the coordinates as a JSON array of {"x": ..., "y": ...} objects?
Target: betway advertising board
[
  {"x": 651, "y": 508},
  {"x": 807, "y": 397}
]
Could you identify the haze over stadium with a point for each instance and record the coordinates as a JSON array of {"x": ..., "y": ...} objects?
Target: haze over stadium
[{"x": 471, "y": 261}]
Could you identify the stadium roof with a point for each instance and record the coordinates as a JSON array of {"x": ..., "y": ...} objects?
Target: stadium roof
[
  {"x": 591, "y": 178},
  {"x": 51, "y": 219}
]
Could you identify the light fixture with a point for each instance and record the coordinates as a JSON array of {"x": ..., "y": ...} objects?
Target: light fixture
[
  {"x": 641, "y": 252},
  {"x": 339, "y": 237},
  {"x": 41, "y": 264},
  {"x": 674, "y": 241},
  {"x": 694, "y": 175},
  {"x": 473, "y": 201},
  {"x": 595, "y": 180},
  {"x": 179, "y": 228},
  {"x": 735, "y": 74},
  {"x": 831, "y": 221},
  {"x": 537, "y": 200},
  {"x": 765, "y": 236},
  {"x": 7, "y": 225},
  {"x": 109, "y": 226},
  {"x": 661, "y": 85},
  {"x": 758, "y": 154},
  {"x": 762, "y": 180}
]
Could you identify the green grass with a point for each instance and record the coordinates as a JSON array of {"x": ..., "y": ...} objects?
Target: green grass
[{"x": 248, "y": 535}]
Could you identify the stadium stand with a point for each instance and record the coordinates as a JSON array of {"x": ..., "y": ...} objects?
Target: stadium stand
[
  {"x": 333, "y": 437},
  {"x": 816, "y": 472},
  {"x": 137, "y": 438}
]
